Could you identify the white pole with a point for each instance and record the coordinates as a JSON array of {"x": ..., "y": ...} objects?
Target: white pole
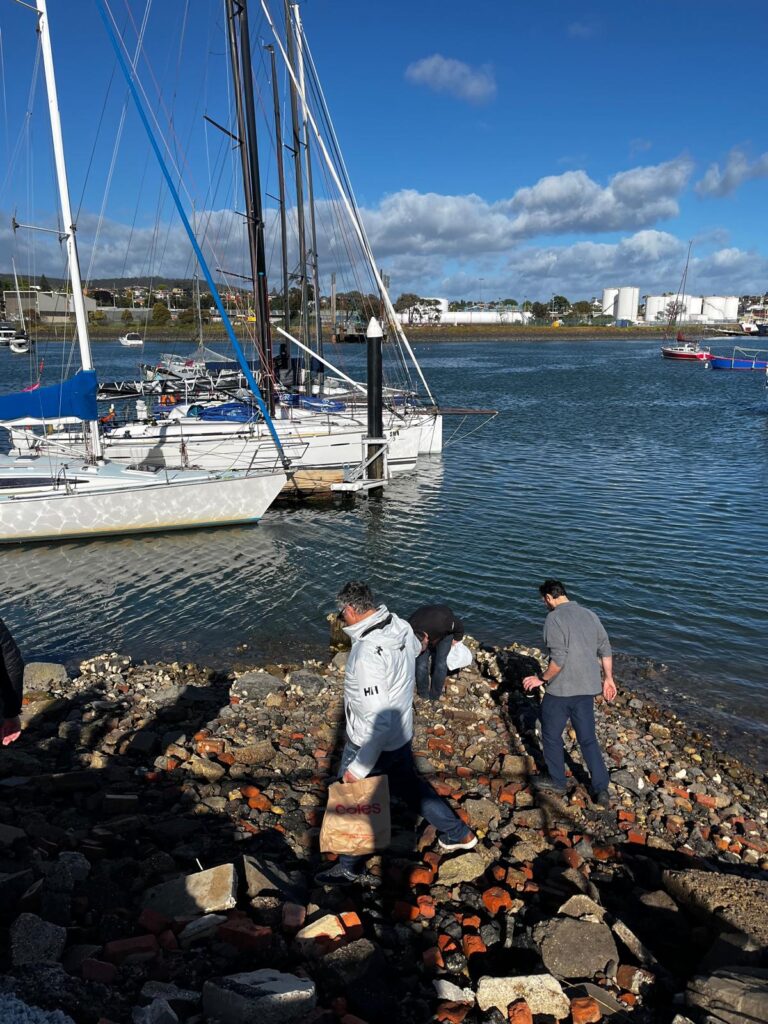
[
  {"x": 325, "y": 362},
  {"x": 86, "y": 358},
  {"x": 356, "y": 223}
]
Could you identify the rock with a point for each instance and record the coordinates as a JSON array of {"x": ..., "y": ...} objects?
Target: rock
[
  {"x": 258, "y": 997},
  {"x": 265, "y": 878},
  {"x": 201, "y": 893},
  {"x": 179, "y": 998},
  {"x": 575, "y": 949},
  {"x": 732, "y": 996},
  {"x": 582, "y": 907},
  {"x": 482, "y": 813},
  {"x": 542, "y": 992},
  {"x": 452, "y": 993},
  {"x": 262, "y": 753},
  {"x": 516, "y": 766},
  {"x": 14, "y": 1011},
  {"x": 202, "y": 928},
  {"x": 44, "y": 675},
  {"x": 633, "y": 781},
  {"x": 633, "y": 944},
  {"x": 317, "y": 934},
  {"x": 158, "y": 1012},
  {"x": 466, "y": 867},
  {"x": 729, "y": 901},
  {"x": 310, "y": 682},
  {"x": 255, "y": 686},
  {"x": 202, "y": 768},
  {"x": 34, "y": 940},
  {"x": 9, "y": 835},
  {"x": 348, "y": 964}
]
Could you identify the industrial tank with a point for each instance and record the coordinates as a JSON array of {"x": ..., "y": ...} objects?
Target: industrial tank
[
  {"x": 609, "y": 301},
  {"x": 627, "y": 301}
]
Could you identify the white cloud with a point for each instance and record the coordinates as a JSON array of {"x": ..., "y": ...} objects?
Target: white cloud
[
  {"x": 447, "y": 75},
  {"x": 573, "y": 202},
  {"x": 721, "y": 181}
]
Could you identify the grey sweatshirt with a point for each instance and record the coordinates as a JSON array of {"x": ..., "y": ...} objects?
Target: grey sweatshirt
[{"x": 575, "y": 638}]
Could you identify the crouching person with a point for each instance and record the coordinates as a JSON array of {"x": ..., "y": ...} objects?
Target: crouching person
[{"x": 378, "y": 706}]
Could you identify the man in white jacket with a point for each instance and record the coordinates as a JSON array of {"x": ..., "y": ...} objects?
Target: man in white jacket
[{"x": 378, "y": 705}]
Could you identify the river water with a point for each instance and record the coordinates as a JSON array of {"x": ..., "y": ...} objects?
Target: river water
[{"x": 639, "y": 482}]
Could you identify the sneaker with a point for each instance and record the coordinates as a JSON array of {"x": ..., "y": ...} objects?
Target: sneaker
[
  {"x": 469, "y": 842},
  {"x": 546, "y": 784},
  {"x": 336, "y": 874},
  {"x": 601, "y": 800}
]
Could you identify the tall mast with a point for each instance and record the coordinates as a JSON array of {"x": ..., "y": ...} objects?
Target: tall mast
[
  {"x": 310, "y": 187},
  {"x": 86, "y": 358},
  {"x": 296, "y": 146},
  {"x": 281, "y": 177},
  {"x": 249, "y": 157},
  {"x": 18, "y": 295}
]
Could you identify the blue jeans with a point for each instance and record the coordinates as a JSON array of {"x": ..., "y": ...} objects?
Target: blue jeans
[
  {"x": 555, "y": 712},
  {"x": 430, "y": 680},
  {"x": 412, "y": 789}
]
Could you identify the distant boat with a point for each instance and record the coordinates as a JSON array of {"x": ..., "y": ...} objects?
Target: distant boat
[
  {"x": 740, "y": 359},
  {"x": 20, "y": 344},
  {"x": 131, "y": 340},
  {"x": 683, "y": 349}
]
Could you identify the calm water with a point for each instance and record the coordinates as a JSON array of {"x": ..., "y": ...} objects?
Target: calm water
[{"x": 639, "y": 482}]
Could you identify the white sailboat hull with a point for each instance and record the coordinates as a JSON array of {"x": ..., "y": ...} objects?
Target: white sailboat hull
[{"x": 120, "y": 501}]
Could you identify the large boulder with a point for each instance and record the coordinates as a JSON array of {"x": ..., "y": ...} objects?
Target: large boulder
[
  {"x": 44, "y": 675},
  {"x": 729, "y": 902}
]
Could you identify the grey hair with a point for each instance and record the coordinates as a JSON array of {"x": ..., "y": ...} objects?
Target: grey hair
[{"x": 356, "y": 594}]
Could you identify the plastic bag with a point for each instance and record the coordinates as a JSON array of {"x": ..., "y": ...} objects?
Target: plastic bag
[
  {"x": 357, "y": 818},
  {"x": 459, "y": 656}
]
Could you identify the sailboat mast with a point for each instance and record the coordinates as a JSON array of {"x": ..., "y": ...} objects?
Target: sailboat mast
[
  {"x": 281, "y": 178},
  {"x": 310, "y": 186},
  {"x": 249, "y": 157},
  {"x": 296, "y": 140},
  {"x": 86, "y": 358},
  {"x": 18, "y": 295}
]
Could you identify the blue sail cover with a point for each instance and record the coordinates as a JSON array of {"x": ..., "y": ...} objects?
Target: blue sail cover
[{"x": 74, "y": 397}]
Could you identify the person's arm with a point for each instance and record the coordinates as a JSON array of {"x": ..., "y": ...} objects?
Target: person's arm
[
  {"x": 609, "y": 684},
  {"x": 373, "y": 714},
  {"x": 554, "y": 640},
  {"x": 531, "y": 682},
  {"x": 605, "y": 654}
]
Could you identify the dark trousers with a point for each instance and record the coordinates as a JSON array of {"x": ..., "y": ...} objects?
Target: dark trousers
[
  {"x": 432, "y": 668},
  {"x": 406, "y": 784},
  {"x": 555, "y": 712}
]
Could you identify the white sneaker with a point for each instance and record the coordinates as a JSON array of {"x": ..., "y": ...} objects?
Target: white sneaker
[{"x": 467, "y": 844}]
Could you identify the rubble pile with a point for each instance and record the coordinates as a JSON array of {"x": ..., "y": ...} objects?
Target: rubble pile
[{"x": 158, "y": 840}]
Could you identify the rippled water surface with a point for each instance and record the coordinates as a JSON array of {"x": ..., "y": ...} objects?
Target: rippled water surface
[{"x": 639, "y": 482}]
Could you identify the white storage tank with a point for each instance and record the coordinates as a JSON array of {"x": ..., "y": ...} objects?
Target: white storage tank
[
  {"x": 732, "y": 308},
  {"x": 655, "y": 305},
  {"x": 694, "y": 306},
  {"x": 714, "y": 307},
  {"x": 609, "y": 301},
  {"x": 627, "y": 301}
]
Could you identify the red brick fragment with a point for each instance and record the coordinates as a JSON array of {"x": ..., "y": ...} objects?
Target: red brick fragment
[
  {"x": 496, "y": 899},
  {"x": 571, "y": 858},
  {"x": 636, "y": 836},
  {"x": 520, "y": 1012},
  {"x": 472, "y": 944},
  {"x": 167, "y": 941},
  {"x": 470, "y": 921},
  {"x": 98, "y": 970},
  {"x": 446, "y": 944},
  {"x": 452, "y": 1013},
  {"x": 426, "y": 906},
  {"x": 141, "y": 947},
  {"x": 353, "y": 926},
  {"x": 420, "y": 876},
  {"x": 585, "y": 1010},
  {"x": 625, "y": 815},
  {"x": 432, "y": 958},
  {"x": 403, "y": 911},
  {"x": 153, "y": 922},
  {"x": 245, "y": 935},
  {"x": 706, "y": 800},
  {"x": 259, "y": 803}
]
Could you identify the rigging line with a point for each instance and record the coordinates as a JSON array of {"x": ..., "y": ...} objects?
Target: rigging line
[
  {"x": 116, "y": 146},
  {"x": 102, "y": 6}
]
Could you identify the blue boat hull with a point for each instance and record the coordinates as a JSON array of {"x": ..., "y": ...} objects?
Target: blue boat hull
[{"x": 727, "y": 363}]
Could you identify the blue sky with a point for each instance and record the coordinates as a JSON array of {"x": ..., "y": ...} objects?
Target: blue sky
[{"x": 498, "y": 149}]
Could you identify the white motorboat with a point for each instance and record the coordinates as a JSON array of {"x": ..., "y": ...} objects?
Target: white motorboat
[{"x": 132, "y": 339}]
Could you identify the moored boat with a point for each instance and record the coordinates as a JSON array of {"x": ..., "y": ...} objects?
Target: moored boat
[
  {"x": 690, "y": 350},
  {"x": 740, "y": 359}
]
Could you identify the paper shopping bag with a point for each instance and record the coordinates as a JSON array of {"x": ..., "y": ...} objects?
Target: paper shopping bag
[{"x": 357, "y": 817}]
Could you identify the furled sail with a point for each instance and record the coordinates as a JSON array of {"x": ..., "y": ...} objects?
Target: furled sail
[{"x": 75, "y": 397}]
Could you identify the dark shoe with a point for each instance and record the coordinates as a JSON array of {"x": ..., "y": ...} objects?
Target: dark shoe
[
  {"x": 601, "y": 800},
  {"x": 545, "y": 784},
  {"x": 337, "y": 874},
  {"x": 469, "y": 842}
]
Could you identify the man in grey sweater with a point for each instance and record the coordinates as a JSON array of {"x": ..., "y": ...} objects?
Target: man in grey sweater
[{"x": 580, "y": 668}]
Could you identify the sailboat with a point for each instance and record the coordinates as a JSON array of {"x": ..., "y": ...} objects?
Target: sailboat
[
  {"x": 325, "y": 441},
  {"x": 19, "y": 343},
  {"x": 51, "y": 496},
  {"x": 683, "y": 348}
]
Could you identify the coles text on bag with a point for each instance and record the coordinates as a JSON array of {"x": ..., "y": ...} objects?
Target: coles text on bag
[{"x": 356, "y": 818}]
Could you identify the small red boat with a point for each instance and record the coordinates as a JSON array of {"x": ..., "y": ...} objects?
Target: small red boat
[{"x": 683, "y": 349}]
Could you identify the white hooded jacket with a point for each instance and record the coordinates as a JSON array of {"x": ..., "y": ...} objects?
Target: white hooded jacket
[{"x": 378, "y": 687}]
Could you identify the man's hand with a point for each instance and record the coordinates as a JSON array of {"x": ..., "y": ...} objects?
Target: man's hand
[
  {"x": 10, "y": 730},
  {"x": 349, "y": 777},
  {"x": 424, "y": 642},
  {"x": 531, "y": 682},
  {"x": 609, "y": 688}
]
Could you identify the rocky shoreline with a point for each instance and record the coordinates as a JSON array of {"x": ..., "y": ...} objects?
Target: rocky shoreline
[{"x": 158, "y": 840}]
